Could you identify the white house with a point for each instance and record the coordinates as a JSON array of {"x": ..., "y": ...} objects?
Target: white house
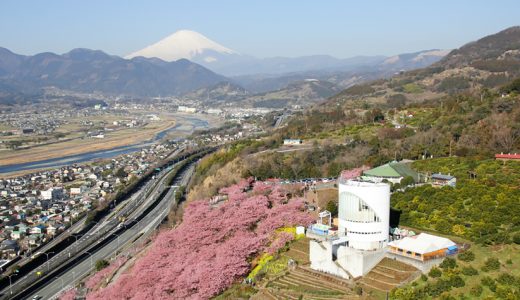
[{"x": 292, "y": 142}]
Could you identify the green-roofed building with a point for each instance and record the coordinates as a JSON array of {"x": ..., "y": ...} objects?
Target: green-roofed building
[{"x": 392, "y": 172}]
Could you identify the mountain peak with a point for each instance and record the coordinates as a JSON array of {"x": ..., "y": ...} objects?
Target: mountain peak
[{"x": 182, "y": 44}]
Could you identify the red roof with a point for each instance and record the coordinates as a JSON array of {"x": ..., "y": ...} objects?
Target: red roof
[{"x": 508, "y": 156}]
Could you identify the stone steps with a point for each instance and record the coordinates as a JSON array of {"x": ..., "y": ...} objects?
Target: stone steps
[
  {"x": 313, "y": 282},
  {"x": 376, "y": 284}
]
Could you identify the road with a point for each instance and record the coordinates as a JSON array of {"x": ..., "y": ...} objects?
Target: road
[
  {"x": 142, "y": 229},
  {"x": 135, "y": 205}
]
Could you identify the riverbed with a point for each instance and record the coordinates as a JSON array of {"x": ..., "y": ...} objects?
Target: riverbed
[{"x": 184, "y": 126}]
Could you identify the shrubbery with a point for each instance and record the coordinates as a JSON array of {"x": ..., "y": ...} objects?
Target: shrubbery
[
  {"x": 469, "y": 271},
  {"x": 448, "y": 263},
  {"x": 491, "y": 264},
  {"x": 435, "y": 272},
  {"x": 476, "y": 290},
  {"x": 466, "y": 256}
]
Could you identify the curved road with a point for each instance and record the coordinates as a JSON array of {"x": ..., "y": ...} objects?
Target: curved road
[{"x": 132, "y": 236}]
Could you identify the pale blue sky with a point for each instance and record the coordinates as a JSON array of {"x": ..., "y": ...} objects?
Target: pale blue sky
[{"x": 261, "y": 28}]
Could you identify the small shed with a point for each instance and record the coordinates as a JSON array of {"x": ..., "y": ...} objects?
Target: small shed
[{"x": 444, "y": 180}]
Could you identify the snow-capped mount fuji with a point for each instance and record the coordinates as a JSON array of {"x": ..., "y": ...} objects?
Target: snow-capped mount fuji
[{"x": 189, "y": 45}]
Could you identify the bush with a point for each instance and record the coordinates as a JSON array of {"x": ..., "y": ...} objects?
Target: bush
[
  {"x": 448, "y": 263},
  {"x": 516, "y": 238},
  {"x": 101, "y": 264},
  {"x": 505, "y": 292},
  {"x": 358, "y": 290},
  {"x": 489, "y": 282},
  {"x": 506, "y": 279},
  {"x": 424, "y": 277},
  {"x": 476, "y": 290},
  {"x": 469, "y": 271},
  {"x": 457, "y": 281},
  {"x": 466, "y": 256},
  {"x": 332, "y": 207},
  {"x": 435, "y": 273},
  {"x": 491, "y": 264},
  {"x": 408, "y": 180}
]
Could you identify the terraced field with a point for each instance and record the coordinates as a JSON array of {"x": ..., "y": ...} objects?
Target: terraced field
[
  {"x": 299, "y": 251},
  {"x": 309, "y": 285},
  {"x": 387, "y": 275},
  {"x": 303, "y": 282}
]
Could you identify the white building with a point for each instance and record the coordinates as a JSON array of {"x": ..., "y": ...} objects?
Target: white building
[
  {"x": 292, "y": 142},
  {"x": 215, "y": 111},
  {"x": 364, "y": 213},
  {"x": 186, "y": 109},
  {"x": 363, "y": 231},
  {"x": 52, "y": 193}
]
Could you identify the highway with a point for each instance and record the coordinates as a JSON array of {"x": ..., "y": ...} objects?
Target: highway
[
  {"x": 132, "y": 236},
  {"x": 134, "y": 205}
]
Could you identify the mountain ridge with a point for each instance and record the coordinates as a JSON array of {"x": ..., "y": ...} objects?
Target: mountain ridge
[
  {"x": 488, "y": 62},
  {"x": 202, "y": 50},
  {"x": 88, "y": 70}
]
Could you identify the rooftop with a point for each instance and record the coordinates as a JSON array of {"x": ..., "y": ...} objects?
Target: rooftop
[
  {"x": 392, "y": 170},
  {"x": 361, "y": 183},
  {"x": 442, "y": 176},
  {"x": 422, "y": 243},
  {"x": 508, "y": 156}
]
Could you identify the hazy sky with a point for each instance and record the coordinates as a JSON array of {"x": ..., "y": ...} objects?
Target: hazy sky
[{"x": 260, "y": 28}]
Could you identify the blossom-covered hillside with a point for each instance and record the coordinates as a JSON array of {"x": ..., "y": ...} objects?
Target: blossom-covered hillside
[{"x": 213, "y": 246}]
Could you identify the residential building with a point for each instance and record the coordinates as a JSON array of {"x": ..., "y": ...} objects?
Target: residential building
[{"x": 443, "y": 180}]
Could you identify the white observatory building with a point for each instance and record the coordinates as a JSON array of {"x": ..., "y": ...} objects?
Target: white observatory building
[
  {"x": 364, "y": 214},
  {"x": 363, "y": 231}
]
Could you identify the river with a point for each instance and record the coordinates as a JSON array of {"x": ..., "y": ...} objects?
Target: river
[{"x": 184, "y": 126}]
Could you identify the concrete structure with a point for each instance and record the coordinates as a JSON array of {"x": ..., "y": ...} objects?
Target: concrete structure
[{"x": 360, "y": 242}]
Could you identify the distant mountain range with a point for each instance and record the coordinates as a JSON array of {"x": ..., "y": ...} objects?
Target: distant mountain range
[
  {"x": 92, "y": 70},
  {"x": 187, "y": 64},
  {"x": 489, "y": 62},
  {"x": 223, "y": 60}
]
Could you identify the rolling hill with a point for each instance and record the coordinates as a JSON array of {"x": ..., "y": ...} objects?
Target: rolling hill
[
  {"x": 489, "y": 62},
  {"x": 87, "y": 70}
]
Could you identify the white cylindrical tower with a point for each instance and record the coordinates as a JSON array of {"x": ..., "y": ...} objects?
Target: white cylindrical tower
[{"x": 364, "y": 213}]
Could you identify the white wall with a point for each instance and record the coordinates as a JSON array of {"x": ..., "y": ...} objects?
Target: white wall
[
  {"x": 320, "y": 254},
  {"x": 359, "y": 262},
  {"x": 363, "y": 232}
]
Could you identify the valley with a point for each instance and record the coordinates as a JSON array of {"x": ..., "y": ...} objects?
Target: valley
[{"x": 172, "y": 166}]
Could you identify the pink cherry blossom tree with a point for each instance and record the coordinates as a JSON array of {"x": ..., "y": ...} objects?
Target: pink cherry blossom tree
[{"x": 213, "y": 246}]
